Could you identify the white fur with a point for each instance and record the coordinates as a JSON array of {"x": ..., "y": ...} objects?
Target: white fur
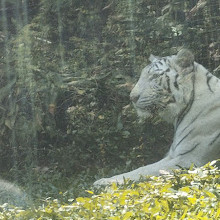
[{"x": 197, "y": 136}]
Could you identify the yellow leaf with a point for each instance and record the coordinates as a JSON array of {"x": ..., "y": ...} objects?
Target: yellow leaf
[
  {"x": 115, "y": 218},
  {"x": 185, "y": 189},
  {"x": 90, "y": 192},
  {"x": 114, "y": 186},
  {"x": 81, "y": 200},
  {"x": 165, "y": 205},
  {"x": 122, "y": 201},
  {"x": 146, "y": 207},
  {"x": 211, "y": 195},
  {"x": 127, "y": 215},
  {"x": 217, "y": 213},
  {"x": 185, "y": 212},
  {"x": 192, "y": 200},
  {"x": 48, "y": 210}
]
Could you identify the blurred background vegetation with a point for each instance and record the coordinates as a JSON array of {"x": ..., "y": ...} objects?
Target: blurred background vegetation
[{"x": 66, "y": 70}]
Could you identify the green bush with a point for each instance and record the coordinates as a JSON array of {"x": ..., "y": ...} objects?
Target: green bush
[{"x": 192, "y": 194}]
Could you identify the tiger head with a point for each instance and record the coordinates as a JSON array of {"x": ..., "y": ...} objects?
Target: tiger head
[{"x": 165, "y": 86}]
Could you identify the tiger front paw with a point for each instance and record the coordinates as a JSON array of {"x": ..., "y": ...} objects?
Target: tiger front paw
[{"x": 107, "y": 182}]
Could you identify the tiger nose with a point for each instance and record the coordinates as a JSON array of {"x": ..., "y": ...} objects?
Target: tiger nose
[{"x": 134, "y": 97}]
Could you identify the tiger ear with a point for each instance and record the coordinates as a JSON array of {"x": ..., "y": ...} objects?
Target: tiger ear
[{"x": 184, "y": 58}]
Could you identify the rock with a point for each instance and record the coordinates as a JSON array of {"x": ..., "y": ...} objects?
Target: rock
[{"x": 12, "y": 194}]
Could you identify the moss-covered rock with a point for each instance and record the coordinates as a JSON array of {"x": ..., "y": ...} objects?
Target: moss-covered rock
[{"x": 12, "y": 194}]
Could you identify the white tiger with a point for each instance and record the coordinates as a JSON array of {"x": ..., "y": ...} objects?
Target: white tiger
[{"x": 186, "y": 94}]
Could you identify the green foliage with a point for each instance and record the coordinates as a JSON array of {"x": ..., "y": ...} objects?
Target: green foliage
[{"x": 192, "y": 194}]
